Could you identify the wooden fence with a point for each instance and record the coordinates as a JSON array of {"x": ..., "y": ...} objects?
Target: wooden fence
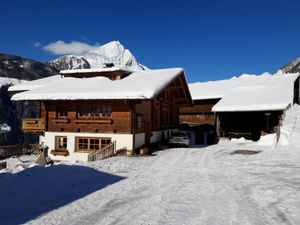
[{"x": 15, "y": 150}]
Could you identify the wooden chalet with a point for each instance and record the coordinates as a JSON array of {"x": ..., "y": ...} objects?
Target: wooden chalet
[
  {"x": 248, "y": 106},
  {"x": 84, "y": 111}
]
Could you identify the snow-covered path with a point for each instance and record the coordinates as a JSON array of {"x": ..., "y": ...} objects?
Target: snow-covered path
[{"x": 191, "y": 186}]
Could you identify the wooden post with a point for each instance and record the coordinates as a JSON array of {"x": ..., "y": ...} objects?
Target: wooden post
[
  {"x": 132, "y": 109},
  {"x": 217, "y": 125}
]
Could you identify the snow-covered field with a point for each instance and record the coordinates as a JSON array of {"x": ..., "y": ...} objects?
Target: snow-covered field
[
  {"x": 175, "y": 186},
  {"x": 199, "y": 185}
]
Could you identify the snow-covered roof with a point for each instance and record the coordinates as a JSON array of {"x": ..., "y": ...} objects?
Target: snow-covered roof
[
  {"x": 97, "y": 70},
  {"x": 30, "y": 85},
  {"x": 8, "y": 80},
  {"x": 248, "y": 92},
  {"x": 139, "y": 85}
]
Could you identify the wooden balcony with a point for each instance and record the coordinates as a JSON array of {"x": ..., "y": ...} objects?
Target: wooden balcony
[
  {"x": 89, "y": 120},
  {"x": 33, "y": 125}
]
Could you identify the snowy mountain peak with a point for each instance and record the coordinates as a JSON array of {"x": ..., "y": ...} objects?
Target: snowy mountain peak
[
  {"x": 111, "y": 49},
  {"x": 111, "y": 52}
]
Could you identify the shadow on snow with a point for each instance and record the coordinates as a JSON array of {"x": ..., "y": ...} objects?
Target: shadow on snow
[{"x": 38, "y": 190}]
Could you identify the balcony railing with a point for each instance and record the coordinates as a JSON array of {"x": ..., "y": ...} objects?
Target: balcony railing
[{"x": 33, "y": 125}]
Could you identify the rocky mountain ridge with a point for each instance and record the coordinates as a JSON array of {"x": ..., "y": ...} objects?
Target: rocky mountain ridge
[{"x": 292, "y": 67}]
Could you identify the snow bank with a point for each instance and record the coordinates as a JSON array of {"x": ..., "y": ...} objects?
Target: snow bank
[
  {"x": 290, "y": 129},
  {"x": 268, "y": 140}
]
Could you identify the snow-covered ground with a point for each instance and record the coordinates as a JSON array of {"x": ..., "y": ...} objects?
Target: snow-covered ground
[{"x": 199, "y": 185}]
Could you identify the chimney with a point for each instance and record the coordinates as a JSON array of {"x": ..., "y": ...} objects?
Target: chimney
[{"x": 108, "y": 65}]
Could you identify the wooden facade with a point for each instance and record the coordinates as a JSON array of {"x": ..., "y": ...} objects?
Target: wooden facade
[
  {"x": 117, "y": 122},
  {"x": 199, "y": 114}
]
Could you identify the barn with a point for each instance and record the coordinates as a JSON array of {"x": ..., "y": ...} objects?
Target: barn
[{"x": 247, "y": 106}]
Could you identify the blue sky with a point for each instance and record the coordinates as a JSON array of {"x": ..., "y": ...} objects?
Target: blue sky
[{"x": 210, "y": 39}]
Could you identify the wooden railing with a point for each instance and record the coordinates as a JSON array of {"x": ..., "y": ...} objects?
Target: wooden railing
[
  {"x": 106, "y": 152},
  {"x": 33, "y": 125}
]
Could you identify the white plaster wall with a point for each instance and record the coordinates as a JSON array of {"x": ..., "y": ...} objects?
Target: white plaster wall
[
  {"x": 139, "y": 140},
  {"x": 41, "y": 139},
  {"x": 157, "y": 135},
  {"x": 122, "y": 140}
]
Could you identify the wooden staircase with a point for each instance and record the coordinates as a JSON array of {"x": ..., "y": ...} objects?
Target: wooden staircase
[{"x": 107, "y": 152}]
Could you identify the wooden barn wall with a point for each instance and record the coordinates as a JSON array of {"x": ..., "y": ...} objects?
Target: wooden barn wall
[
  {"x": 120, "y": 117},
  {"x": 198, "y": 119},
  {"x": 200, "y": 113},
  {"x": 199, "y": 106}
]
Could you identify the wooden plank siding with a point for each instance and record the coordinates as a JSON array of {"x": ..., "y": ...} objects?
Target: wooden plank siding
[
  {"x": 113, "y": 75},
  {"x": 120, "y": 121},
  {"x": 200, "y": 113},
  {"x": 198, "y": 119}
]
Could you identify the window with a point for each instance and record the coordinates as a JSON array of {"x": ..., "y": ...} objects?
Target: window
[
  {"x": 83, "y": 112},
  {"x": 91, "y": 144},
  {"x": 94, "y": 144},
  {"x": 60, "y": 143},
  {"x": 83, "y": 144},
  {"x": 94, "y": 112},
  {"x": 105, "y": 142},
  {"x": 62, "y": 111},
  {"x": 106, "y": 111},
  {"x": 140, "y": 123}
]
